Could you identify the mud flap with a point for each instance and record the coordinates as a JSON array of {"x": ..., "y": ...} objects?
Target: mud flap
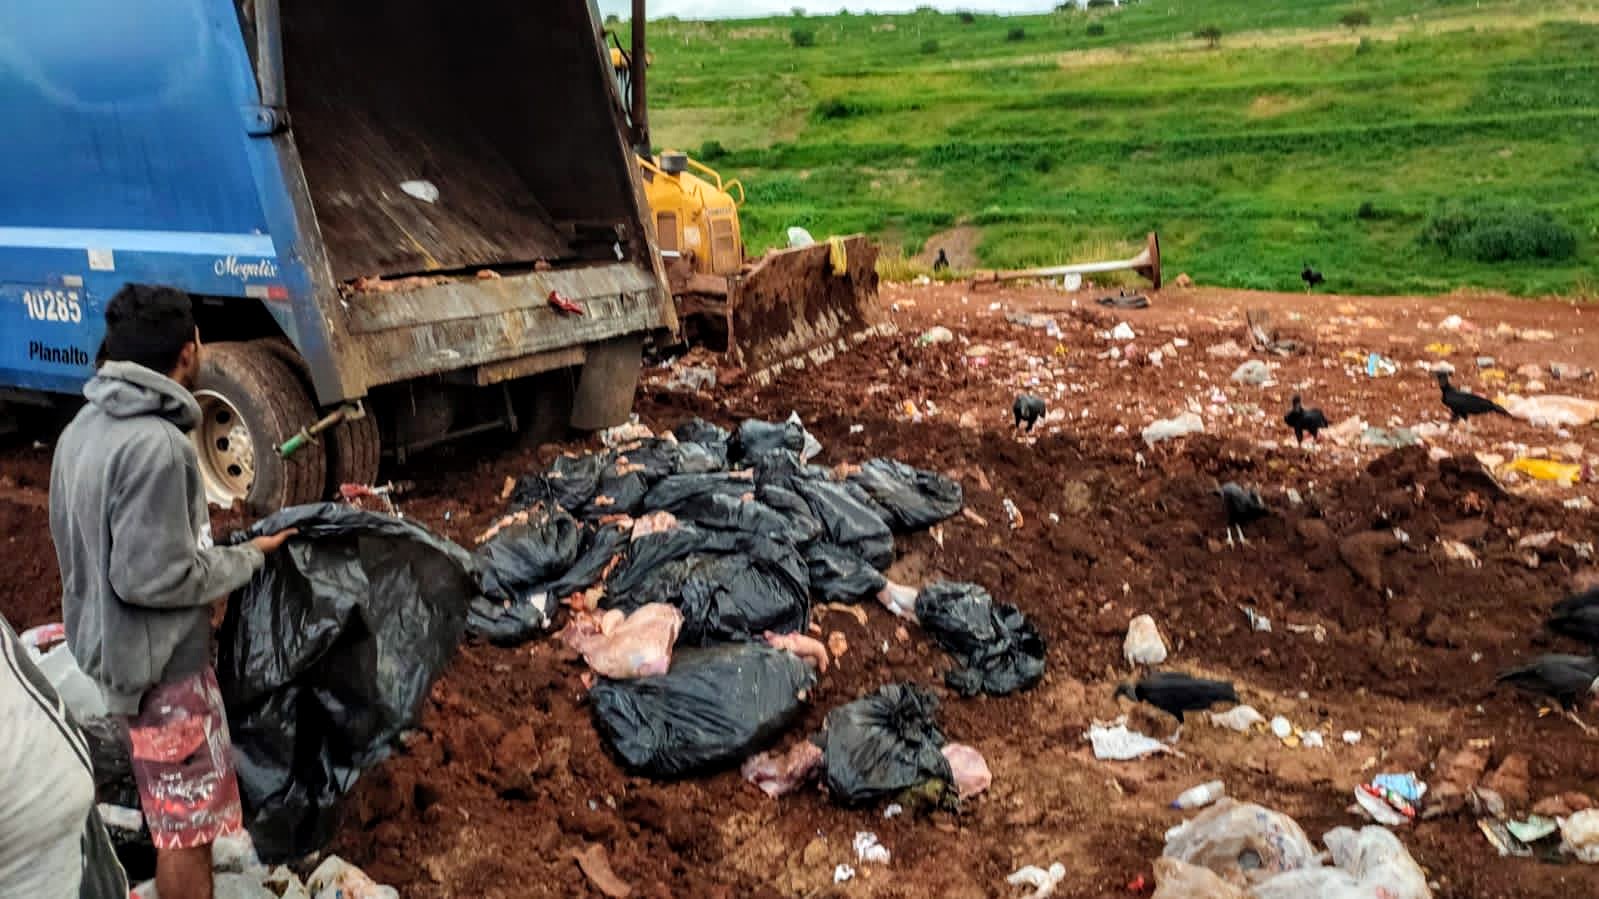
[{"x": 606, "y": 387}]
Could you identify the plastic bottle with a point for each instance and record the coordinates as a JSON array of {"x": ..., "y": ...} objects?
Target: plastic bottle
[{"x": 1200, "y": 796}]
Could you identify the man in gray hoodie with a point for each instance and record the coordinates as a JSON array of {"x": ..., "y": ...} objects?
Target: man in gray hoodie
[{"x": 140, "y": 575}]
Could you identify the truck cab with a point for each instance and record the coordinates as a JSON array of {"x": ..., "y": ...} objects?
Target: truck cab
[{"x": 389, "y": 227}]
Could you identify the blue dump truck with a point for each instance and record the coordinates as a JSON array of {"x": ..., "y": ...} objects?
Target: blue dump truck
[{"x": 404, "y": 222}]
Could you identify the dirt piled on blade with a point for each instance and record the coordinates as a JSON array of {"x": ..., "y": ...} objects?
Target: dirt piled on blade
[{"x": 1374, "y": 629}]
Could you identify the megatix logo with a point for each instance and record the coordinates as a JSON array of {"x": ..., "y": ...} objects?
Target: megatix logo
[{"x": 231, "y": 267}]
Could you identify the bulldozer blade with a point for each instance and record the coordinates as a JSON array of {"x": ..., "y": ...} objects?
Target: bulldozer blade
[{"x": 792, "y": 308}]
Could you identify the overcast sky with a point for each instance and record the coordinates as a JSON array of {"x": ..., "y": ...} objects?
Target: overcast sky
[{"x": 717, "y": 9}]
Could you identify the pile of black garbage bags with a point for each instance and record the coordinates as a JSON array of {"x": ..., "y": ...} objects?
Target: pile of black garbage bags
[{"x": 328, "y": 655}]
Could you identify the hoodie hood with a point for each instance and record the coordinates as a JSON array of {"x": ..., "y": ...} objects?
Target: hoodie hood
[{"x": 129, "y": 390}]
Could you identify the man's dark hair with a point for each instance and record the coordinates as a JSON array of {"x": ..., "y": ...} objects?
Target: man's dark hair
[{"x": 148, "y": 326}]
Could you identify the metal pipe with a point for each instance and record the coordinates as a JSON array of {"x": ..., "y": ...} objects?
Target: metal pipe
[
  {"x": 1146, "y": 263},
  {"x": 636, "y": 78}
]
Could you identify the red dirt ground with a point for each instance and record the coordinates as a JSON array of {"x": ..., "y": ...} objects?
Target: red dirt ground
[{"x": 505, "y": 778}]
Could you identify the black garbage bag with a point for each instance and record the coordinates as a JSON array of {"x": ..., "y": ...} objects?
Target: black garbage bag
[
  {"x": 998, "y": 649},
  {"x": 756, "y": 438},
  {"x": 729, "y": 585},
  {"x": 715, "y": 707},
  {"x": 661, "y": 457},
  {"x": 677, "y": 492},
  {"x": 616, "y": 494},
  {"x": 721, "y": 511},
  {"x": 849, "y": 518},
  {"x": 838, "y": 575},
  {"x": 510, "y": 622},
  {"x": 702, "y": 432},
  {"x": 882, "y": 744},
  {"x": 601, "y": 545},
  {"x": 327, "y": 655},
  {"x": 570, "y": 482},
  {"x": 523, "y": 557},
  {"x": 914, "y": 499}
]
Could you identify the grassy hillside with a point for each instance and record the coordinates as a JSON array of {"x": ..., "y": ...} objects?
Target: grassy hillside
[{"x": 1064, "y": 135}]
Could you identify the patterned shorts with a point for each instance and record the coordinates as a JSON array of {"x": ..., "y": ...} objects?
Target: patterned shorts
[{"x": 183, "y": 763}]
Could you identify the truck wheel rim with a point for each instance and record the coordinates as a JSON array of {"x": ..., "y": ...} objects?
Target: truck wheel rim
[{"x": 225, "y": 449}]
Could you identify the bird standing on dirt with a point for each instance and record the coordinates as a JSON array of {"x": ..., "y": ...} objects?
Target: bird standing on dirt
[
  {"x": 1175, "y": 693},
  {"x": 1462, "y": 405},
  {"x": 1304, "y": 421},
  {"x": 1311, "y": 277},
  {"x": 1028, "y": 408},
  {"x": 942, "y": 262},
  {"x": 1243, "y": 505},
  {"x": 1577, "y": 617},
  {"x": 1566, "y": 679}
]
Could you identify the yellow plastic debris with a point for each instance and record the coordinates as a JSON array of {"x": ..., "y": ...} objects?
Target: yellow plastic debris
[
  {"x": 1440, "y": 349},
  {"x": 1564, "y": 473}
]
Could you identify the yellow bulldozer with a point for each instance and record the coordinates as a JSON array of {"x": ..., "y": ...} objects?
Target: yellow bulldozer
[{"x": 787, "y": 308}]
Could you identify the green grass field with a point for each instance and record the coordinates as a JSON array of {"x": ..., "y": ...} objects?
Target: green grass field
[{"x": 1296, "y": 140}]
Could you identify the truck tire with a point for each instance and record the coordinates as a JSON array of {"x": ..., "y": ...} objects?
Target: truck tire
[
  {"x": 354, "y": 449},
  {"x": 251, "y": 401}
]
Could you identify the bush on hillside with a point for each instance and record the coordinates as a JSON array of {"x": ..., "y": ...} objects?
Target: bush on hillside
[
  {"x": 1016, "y": 34},
  {"x": 1355, "y": 18},
  {"x": 802, "y": 37},
  {"x": 1486, "y": 232},
  {"x": 929, "y": 47},
  {"x": 712, "y": 150},
  {"x": 1365, "y": 46},
  {"x": 1096, "y": 29},
  {"x": 835, "y": 108},
  {"x": 1211, "y": 35},
  {"x": 967, "y": 18}
]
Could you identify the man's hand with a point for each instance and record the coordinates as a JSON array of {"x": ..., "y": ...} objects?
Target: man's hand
[{"x": 269, "y": 544}]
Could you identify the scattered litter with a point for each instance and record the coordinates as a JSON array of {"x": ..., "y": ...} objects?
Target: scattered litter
[
  {"x": 1391, "y": 799},
  {"x": 691, "y": 379},
  {"x": 1117, "y": 743},
  {"x": 1563, "y": 473},
  {"x": 1257, "y": 621},
  {"x": 780, "y": 773},
  {"x": 1397, "y": 438},
  {"x": 1253, "y": 372},
  {"x": 1533, "y": 829},
  {"x": 869, "y": 850},
  {"x": 1440, "y": 349},
  {"x": 1200, "y": 796},
  {"x": 893, "y": 810},
  {"x": 1564, "y": 371},
  {"x": 1013, "y": 514},
  {"x": 1313, "y": 739},
  {"x": 1485, "y": 362},
  {"x": 1171, "y": 428},
  {"x": 1352, "y": 737},
  {"x": 799, "y": 237},
  {"x": 935, "y": 334},
  {"x": 1282, "y": 728},
  {"x": 842, "y": 873},
  {"x": 969, "y": 768},
  {"x": 1143, "y": 645},
  {"x": 596, "y": 866},
  {"x": 1552, "y": 410},
  {"x": 1456, "y": 551},
  {"x": 1041, "y": 880},
  {"x": 1123, "y": 332},
  {"x": 1238, "y": 718},
  {"x": 1579, "y": 836},
  {"x": 1227, "y": 350},
  {"x": 426, "y": 191},
  {"x": 1380, "y": 366}
]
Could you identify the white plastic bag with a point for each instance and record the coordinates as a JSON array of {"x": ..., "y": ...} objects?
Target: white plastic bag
[
  {"x": 1180, "y": 880},
  {"x": 1579, "y": 836},
  {"x": 1241, "y": 841},
  {"x": 1143, "y": 645},
  {"x": 1376, "y": 858}
]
